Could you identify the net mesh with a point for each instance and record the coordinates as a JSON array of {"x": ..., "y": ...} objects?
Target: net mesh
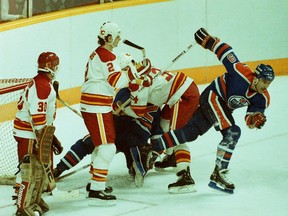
[{"x": 10, "y": 90}]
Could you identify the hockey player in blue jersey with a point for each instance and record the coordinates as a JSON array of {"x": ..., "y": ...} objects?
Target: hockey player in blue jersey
[{"x": 238, "y": 87}]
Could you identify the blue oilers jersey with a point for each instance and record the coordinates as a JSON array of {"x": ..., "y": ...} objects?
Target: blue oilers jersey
[{"x": 234, "y": 86}]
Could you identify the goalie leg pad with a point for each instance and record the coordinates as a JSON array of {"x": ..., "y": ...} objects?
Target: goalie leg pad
[
  {"x": 45, "y": 144},
  {"x": 31, "y": 185}
]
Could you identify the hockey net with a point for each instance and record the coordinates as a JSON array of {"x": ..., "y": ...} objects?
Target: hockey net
[{"x": 10, "y": 90}]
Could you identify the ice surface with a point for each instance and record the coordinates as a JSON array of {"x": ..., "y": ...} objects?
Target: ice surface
[{"x": 259, "y": 169}]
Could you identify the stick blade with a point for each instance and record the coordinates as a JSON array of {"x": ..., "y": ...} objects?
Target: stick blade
[{"x": 129, "y": 43}]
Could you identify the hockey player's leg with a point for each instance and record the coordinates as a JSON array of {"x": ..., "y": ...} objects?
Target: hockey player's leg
[
  {"x": 219, "y": 179},
  {"x": 167, "y": 162},
  {"x": 76, "y": 153},
  {"x": 185, "y": 183},
  {"x": 102, "y": 155},
  {"x": 197, "y": 125},
  {"x": 29, "y": 188},
  {"x": 139, "y": 166}
]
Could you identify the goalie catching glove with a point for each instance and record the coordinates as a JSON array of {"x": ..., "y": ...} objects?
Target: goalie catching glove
[
  {"x": 256, "y": 119},
  {"x": 205, "y": 40}
]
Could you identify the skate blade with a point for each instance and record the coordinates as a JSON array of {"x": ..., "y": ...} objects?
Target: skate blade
[
  {"x": 100, "y": 202},
  {"x": 217, "y": 187},
  {"x": 139, "y": 181},
  {"x": 167, "y": 169},
  {"x": 65, "y": 195},
  {"x": 182, "y": 189},
  {"x": 138, "y": 178}
]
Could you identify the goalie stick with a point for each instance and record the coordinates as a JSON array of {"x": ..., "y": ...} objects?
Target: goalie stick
[
  {"x": 57, "y": 194},
  {"x": 72, "y": 172},
  {"x": 116, "y": 112},
  {"x": 56, "y": 88}
]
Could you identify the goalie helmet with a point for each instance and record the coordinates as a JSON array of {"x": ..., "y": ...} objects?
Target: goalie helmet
[
  {"x": 109, "y": 28},
  {"x": 48, "y": 62},
  {"x": 264, "y": 71}
]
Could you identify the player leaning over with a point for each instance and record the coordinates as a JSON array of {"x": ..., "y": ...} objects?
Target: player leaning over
[
  {"x": 33, "y": 132},
  {"x": 132, "y": 137},
  {"x": 179, "y": 97},
  {"x": 102, "y": 76},
  {"x": 238, "y": 87}
]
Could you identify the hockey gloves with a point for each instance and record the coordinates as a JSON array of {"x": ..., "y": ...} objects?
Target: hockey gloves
[
  {"x": 256, "y": 119},
  {"x": 205, "y": 40},
  {"x": 57, "y": 146}
]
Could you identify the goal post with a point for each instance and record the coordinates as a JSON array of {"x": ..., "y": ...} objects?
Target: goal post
[{"x": 10, "y": 91}]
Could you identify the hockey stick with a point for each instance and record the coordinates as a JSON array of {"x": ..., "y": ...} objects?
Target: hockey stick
[
  {"x": 56, "y": 88},
  {"x": 129, "y": 43},
  {"x": 72, "y": 172},
  {"x": 116, "y": 112},
  {"x": 57, "y": 194}
]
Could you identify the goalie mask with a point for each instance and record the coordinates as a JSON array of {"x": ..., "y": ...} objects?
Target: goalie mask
[
  {"x": 264, "y": 71},
  {"x": 109, "y": 28},
  {"x": 48, "y": 62}
]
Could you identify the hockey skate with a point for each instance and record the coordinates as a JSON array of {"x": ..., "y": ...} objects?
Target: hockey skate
[
  {"x": 43, "y": 205},
  {"x": 101, "y": 198},
  {"x": 32, "y": 210},
  {"x": 148, "y": 156},
  {"x": 219, "y": 181},
  {"x": 57, "y": 172},
  {"x": 139, "y": 177},
  {"x": 108, "y": 189},
  {"x": 167, "y": 162},
  {"x": 184, "y": 184}
]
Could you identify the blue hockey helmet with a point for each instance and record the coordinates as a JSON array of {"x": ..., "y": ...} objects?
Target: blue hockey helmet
[{"x": 264, "y": 71}]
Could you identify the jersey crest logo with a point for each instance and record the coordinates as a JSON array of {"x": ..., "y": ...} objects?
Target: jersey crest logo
[
  {"x": 231, "y": 58},
  {"x": 235, "y": 102}
]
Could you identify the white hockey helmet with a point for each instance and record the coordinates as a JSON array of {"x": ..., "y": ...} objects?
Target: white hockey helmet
[
  {"x": 109, "y": 28},
  {"x": 125, "y": 59}
]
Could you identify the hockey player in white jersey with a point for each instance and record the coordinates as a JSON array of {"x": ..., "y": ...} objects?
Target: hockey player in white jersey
[
  {"x": 103, "y": 75},
  {"x": 179, "y": 97},
  {"x": 34, "y": 133}
]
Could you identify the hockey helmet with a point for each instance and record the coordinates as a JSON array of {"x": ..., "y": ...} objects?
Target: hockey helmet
[
  {"x": 264, "y": 71},
  {"x": 109, "y": 28},
  {"x": 48, "y": 62},
  {"x": 125, "y": 59}
]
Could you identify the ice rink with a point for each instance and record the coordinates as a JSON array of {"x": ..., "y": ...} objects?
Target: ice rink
[{"x": 259, "y": 170}]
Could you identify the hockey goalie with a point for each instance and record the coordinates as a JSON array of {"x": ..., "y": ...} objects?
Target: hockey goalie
[{"x": 34, "y": 133}]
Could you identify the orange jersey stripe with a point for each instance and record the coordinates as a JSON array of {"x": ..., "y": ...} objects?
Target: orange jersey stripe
[
  {"x": 20, "y": 125},
  {"x": 177, "y": 83},
  {"x": 39, "y": 119},
  {"x": 113, "y": 78},
  {"x": 96, "y": 100},
  {"x": 139, "y": 110},
  {"x": 218, "y": 112},
  {"x": 219, "y": 52}
]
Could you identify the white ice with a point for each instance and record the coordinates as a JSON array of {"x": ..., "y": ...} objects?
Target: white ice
[{"x": 259, "y": 169}]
